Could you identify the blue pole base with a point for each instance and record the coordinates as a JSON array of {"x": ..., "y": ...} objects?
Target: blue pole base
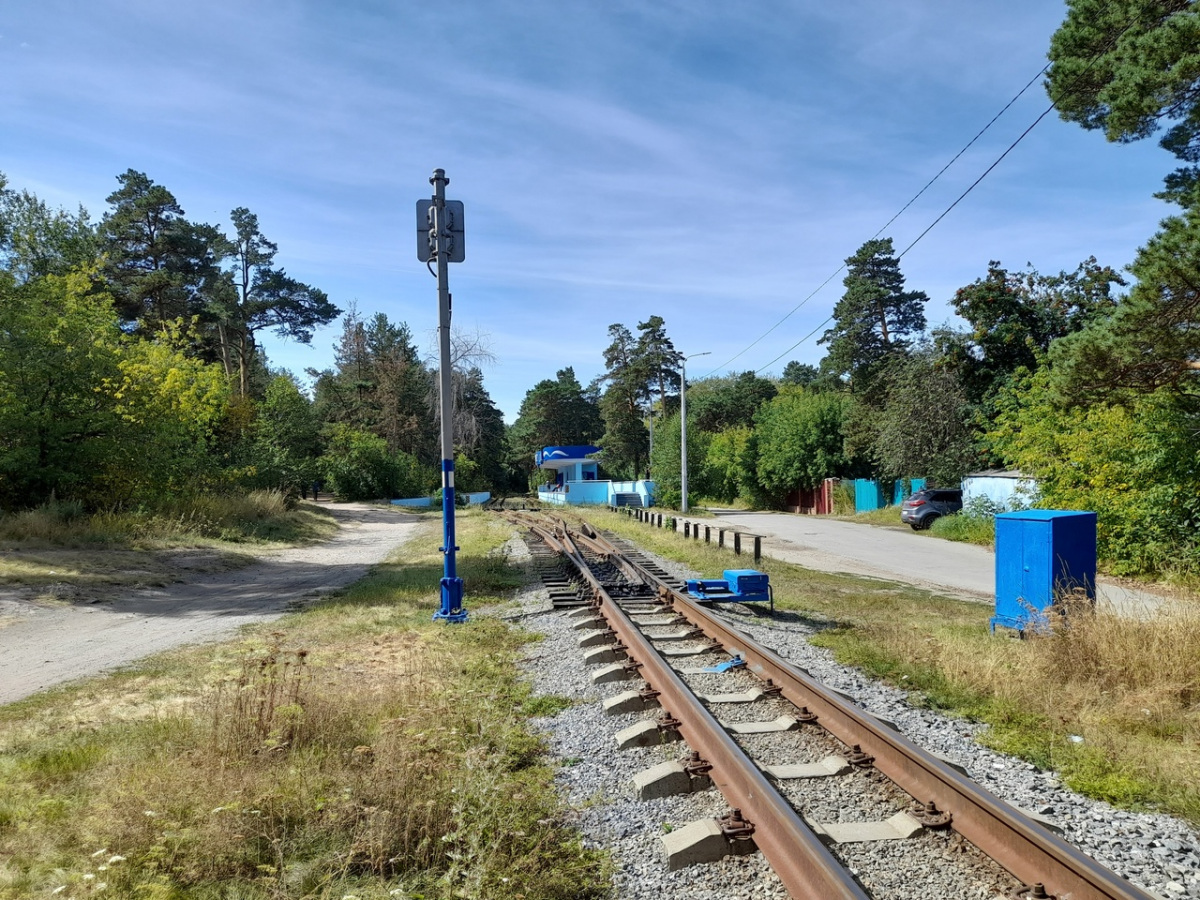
[{"x": 452, "y": 609}]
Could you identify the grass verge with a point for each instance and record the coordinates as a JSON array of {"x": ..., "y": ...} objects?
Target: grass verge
[
  {"x": 966, "y": 528},
  {"x": 256, "y": 517},
  {"x": 354, "y": 749},
  {"x": 1111, "y": 704},
  {"x": 885, "y": 515},
  {"x": 69, "y": 553}
]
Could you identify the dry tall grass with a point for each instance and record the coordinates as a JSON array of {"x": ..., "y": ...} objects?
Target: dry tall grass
[
  {"x": 261, "y": 515},
  {"x": 360, "y": 749}
]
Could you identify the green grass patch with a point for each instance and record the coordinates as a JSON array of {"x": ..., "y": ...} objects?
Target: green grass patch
[
  {"x": 966, "y": 528},
  {"x": 927, "y": 683},
  {"x": 885, "y": 515},
  {"x": 356, "y": 748},
  {"x": 545, "y": 706}
]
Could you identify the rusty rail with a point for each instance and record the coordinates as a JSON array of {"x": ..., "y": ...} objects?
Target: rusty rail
[
  {"x": 804, "y": 865},
  {"x": 1030, "y": 852}
]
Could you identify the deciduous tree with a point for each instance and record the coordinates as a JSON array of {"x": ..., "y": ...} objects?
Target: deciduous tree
[
  {"x": 91, "y": 414},
  {"x": 729, "y": 401},
  {"x": 36, "y": 240},
  {"x": 1014, "y": 317},
  {"x": 799, "y": 440},
  {"x": 59, "y": 345},
  {"x": 925, "y": 426},
  {"x": 286, "y": 437},
  {"x": 667, "y": 459},
  {"x": 730, "y": 471},
  {"x": 1134, "y": 465}
]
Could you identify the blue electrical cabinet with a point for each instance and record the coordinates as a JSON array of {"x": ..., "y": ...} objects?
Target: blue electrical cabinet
[{"x": 1041, "y": 554}]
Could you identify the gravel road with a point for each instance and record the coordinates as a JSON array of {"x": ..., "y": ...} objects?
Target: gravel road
[{"x": 48, "y": 645}]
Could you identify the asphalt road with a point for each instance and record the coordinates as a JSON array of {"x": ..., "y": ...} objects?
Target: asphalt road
[{"x": 900, "y": 554}]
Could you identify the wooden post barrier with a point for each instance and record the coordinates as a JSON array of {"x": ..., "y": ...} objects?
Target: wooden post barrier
[
  {"x": 708, "y": 534},
  {"x": 737, "y": 543},
  {"x": 757, "y": 547},
  {"x": 721, "y": 538}
]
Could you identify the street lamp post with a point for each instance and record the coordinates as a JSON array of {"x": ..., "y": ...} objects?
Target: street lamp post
[
  {"x": 650, "y": 454},
  {"x": 683, "y": 428}
]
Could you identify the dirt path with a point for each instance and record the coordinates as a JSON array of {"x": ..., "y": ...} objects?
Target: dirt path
[{"x": 47, "y": 645}]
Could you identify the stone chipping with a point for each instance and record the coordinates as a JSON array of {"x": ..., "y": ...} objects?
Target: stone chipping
[{"x": 1156, "y": 852}]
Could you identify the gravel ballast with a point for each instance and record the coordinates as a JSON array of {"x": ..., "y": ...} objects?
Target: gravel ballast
[{"x": 1155, "y": 852}]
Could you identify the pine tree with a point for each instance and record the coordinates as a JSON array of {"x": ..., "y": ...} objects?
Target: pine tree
[{"x": 876, "y": 317}]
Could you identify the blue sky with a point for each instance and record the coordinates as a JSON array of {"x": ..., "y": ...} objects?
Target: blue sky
[{"x": 712, "y": 163}]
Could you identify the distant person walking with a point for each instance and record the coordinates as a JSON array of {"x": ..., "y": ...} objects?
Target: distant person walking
[{"x": 317, "y": 485}]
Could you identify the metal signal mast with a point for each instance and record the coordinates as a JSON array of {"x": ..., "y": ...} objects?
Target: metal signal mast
[{"x": 440, "y": 239}]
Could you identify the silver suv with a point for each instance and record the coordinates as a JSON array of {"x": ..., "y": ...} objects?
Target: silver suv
[{"x": 924, "y": 506}]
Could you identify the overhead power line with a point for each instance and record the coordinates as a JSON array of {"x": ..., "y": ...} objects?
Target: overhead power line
[
  {"x": 888, "y": 223},
  {"x": 1079, "y": 80},
  {"x": 928, "y": 229}
]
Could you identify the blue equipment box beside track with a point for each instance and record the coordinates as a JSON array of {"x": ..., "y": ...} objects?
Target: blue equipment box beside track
[{"x": 738, "y": 586}]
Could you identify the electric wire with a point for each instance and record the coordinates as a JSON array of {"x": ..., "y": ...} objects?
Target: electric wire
[
  {"x": 928, "y": 228},
  {"x": 1110, "y": 45},
  {"x": 888, "y": 223}
]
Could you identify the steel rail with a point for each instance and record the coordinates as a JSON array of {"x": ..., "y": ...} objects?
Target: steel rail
[
  {"x": 1027, "y": 850},
  {"x": 805, "y": 866}
]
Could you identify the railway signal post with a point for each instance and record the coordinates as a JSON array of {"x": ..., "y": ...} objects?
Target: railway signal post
[{"x": 440, "y": 240}]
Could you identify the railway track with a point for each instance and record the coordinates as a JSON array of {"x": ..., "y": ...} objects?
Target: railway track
[{"x": 635, "y": 623}]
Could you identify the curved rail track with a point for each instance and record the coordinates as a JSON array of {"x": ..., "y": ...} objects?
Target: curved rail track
[{"x": 617, "y": 583}]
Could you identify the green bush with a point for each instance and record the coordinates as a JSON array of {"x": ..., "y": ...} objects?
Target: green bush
[
  {"x": 843, "y": 498},
  {"x": 967, "y": 528},
  {"x": 1134, "y": 466},
  {"x": 359, "y": 466}
]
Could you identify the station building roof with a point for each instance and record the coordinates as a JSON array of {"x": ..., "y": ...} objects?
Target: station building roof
[{"x": 562, "y": 457}]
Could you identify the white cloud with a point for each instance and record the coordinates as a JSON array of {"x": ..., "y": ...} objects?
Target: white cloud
[{"x": 617, "y": 160}]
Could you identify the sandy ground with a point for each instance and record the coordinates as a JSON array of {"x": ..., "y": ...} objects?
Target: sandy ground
[{"x": 45, "y": 645}]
